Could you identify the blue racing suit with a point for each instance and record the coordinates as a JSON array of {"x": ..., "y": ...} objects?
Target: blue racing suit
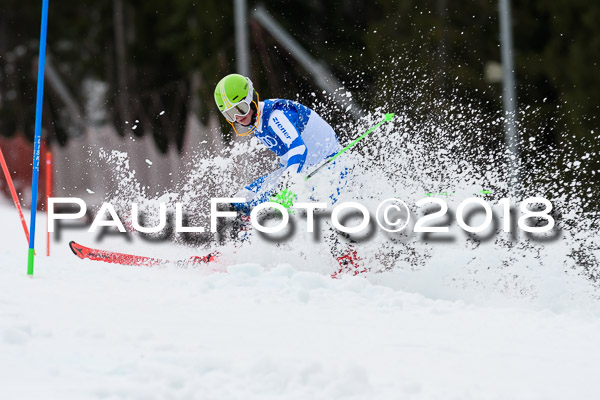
[{"x": 295, "y": 133}]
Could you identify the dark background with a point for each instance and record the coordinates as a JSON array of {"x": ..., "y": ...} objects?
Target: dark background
[{"x": 154, "y": 55}]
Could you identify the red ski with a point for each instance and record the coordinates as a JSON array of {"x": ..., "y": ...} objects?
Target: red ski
[{"x": 108, "y": 256}]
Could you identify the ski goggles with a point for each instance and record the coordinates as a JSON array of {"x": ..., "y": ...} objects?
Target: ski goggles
[{"x": 240, "y": 109}]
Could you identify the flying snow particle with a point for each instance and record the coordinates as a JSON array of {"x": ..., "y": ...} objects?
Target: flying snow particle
[{"x": 148, "y": 162}]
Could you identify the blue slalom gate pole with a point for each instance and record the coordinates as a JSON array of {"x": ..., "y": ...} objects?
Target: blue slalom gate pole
[{"x": 38, "y": 136}]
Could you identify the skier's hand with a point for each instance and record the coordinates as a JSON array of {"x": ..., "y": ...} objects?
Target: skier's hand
[{"x": 285, "y": 197}]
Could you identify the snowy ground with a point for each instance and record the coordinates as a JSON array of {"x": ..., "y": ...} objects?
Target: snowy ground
[{"x": 88, "y": 330}]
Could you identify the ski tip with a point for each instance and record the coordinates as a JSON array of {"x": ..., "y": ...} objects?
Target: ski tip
[
  {"x": 75, "y": 248},
  {"x": 389, "y": 116}
]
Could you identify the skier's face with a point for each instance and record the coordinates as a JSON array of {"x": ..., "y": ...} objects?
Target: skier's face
[{"x": 246, "y": 119}]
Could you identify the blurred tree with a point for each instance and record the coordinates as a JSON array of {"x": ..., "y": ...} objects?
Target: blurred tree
[{"x": 156, "y": 56}]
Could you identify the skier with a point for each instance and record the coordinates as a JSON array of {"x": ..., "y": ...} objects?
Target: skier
[{"x": 294, "y": 132}]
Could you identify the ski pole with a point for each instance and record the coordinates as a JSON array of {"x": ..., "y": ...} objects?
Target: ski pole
[
  {"x": 388, "y": 117},
  {"x": 38, "y": 135},
  {"x": 13, "y": 193}
]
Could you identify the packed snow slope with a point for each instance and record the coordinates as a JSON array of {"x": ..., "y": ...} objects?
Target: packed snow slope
[{"x": 88, "y": 330}]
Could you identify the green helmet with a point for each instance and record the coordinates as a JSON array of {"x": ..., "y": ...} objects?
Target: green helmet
[{"x": 233, "y": 96}]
